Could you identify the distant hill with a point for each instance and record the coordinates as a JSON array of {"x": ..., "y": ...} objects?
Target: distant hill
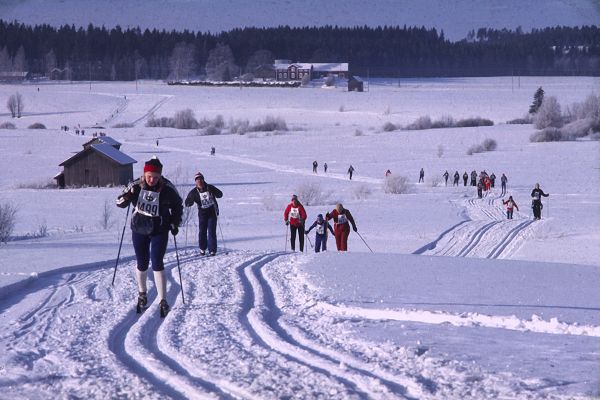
[{"x": 455, "y": 18}]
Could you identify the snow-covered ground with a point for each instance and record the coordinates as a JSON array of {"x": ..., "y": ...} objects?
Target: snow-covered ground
[
  {"x": 456, "y": 301},
  {"x": 456, "y": 18}
]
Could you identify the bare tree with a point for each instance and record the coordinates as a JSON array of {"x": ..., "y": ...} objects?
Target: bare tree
[
  {"x": 181, "y": 63},
  {"x": 259, "y": 58},
  {"x": 19, "y": 61},
  {"x": 7, "y": 221},
  {"x": 15, "y": 105},
  {"x": 106, "y": 216},
  {"x": 220, "y": 63},
  {"x": 50, "y": 62}
]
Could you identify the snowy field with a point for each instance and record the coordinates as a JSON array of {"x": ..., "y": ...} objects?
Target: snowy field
[{"x": 456, "y": 301}]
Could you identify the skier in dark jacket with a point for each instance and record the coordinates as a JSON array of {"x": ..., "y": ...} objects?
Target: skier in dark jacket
[
  {"x": 350, "y": 171},
  {"x": 315, "y": 165},
  {"x": 205, "y": 196},
  {"x": 473, "y": 178},
  {"x": 446, "y": 175},
  {"x": 465, "y": 177},
  {"x": 341, "y": 226},
  {"x": 503, "y": 180},
  {"x": 536, "y": 203},
  {"x": 456, "y": 178},
  {"x": 493, "y": 179},
  {"x": 421, "y": 176},
  {"x": 321, "y": 236},
  {"x": 158, "y": 209}
]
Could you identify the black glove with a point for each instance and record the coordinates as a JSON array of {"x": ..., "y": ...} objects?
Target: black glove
[
  {"x": 326, "y": 215},
  {"x": 287, "y": 223},
  {"x": 174, "y": 229},
  {"x": 355, "y": 228}
]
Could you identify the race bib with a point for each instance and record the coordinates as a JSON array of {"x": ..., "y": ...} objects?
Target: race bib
[
  {"x": 206, "y": 200},
  {"x": 321, "y": 229},
  {"x": 536, "y": 196},
  {"x": 295, "y": 212},
  {"x": 147, "y": 203},
  {"x": 342, "y": 219}
]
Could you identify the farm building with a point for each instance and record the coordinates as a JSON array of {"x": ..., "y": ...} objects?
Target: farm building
[
  {"x": 100, "y": 163},
  {"x": 292, "y": 71},
  {"x": 321, "y": 70},
  {"x": 355, "y": 84}
]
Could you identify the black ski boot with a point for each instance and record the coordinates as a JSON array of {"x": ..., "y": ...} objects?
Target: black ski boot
[
  {"x": 164, "y": 308},
  {"x": 142, "y": 302}
]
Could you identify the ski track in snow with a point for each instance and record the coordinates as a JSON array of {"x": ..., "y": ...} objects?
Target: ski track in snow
[
  {"x": 486, "y": 233},
  {"x": 252, "y": 321}
]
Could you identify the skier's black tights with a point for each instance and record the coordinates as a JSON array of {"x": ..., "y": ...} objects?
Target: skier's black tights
[{"x": 300, "y": 230}]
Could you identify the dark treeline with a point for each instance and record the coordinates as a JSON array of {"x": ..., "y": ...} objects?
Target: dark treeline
[{"x": 98, "y": 53}]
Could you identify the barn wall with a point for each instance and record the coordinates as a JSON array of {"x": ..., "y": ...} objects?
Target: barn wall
[{"x": 93, "y": 169}]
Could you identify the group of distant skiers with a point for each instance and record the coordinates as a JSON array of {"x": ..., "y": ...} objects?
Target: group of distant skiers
[{"x": 315, "y": 166}]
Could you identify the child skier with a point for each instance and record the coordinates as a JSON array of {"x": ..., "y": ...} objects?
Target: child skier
[
  {"x": 321, "y": 234},
  {"x": 510, "y": 204}
]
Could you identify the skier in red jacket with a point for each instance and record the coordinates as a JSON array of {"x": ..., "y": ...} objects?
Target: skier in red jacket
[
  {"x": 341, "y": 227},
  {"x": 294, "y": 216}
]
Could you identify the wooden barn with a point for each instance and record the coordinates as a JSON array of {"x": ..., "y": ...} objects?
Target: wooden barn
[
  {"x": 355, "y": 84},
  {"x": 100, "y": 163}
]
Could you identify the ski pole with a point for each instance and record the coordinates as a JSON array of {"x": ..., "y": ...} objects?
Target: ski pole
[
  {"x": 310, "y": 242},
  {"x": 360, "y": 236},
  {"x": 222, "y": 237},
  {"x": 120, "y": 244},
  {"x": 178, "y": 268},
  {"x": 286, "y": 238}
]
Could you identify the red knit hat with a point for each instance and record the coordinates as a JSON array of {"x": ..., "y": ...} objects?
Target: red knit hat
[{"x": 153, "y": 165}]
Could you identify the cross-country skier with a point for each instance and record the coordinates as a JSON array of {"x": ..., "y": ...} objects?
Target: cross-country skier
[
  {"x": 350, "y": 171},
  {"x": 342, "y": 219},
  {"x": 315, "y": 165},
  {"x": 473, "y": 178},
  {"x": 465, "y": 178},
  {"x": 421, "y": 176},
  {"x": 510, "y": 204},
  {"x": 158, "y": 209},
  {"x": 325, "y": 167},
  {"x": 295, "y": 216},
  {"x": 503, "y": 180},
  {"x": 536, "y": 203},
  {"x": 205, "y": 196},
  {"x": 446, "y": 175},
  {"x": 321, "y": 236},
  {"x": 493, "y": 179},
  {"x": 456, "y": 178}
]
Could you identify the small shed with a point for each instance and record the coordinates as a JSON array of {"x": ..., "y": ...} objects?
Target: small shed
[
  {"x": 100, "y": 163},
  {"x": 355, "y": 84}
]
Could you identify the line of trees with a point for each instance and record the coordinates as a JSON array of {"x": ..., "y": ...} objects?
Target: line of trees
[{"x": 98, "y": 53}]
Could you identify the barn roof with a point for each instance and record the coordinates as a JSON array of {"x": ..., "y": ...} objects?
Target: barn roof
[
  {"x": 106, "y": 150},
  {"x": 330, "y": 67},
  {"x": 103, "y": 139}
]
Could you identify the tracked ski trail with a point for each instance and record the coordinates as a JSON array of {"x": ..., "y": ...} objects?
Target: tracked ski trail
[
  {"x": 485, "y": 234},
  {"x": 264, "y": 319}
]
